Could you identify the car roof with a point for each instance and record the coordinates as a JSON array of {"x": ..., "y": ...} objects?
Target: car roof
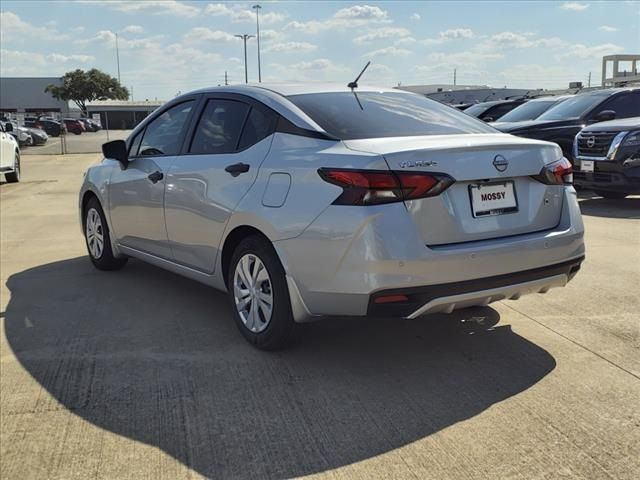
[
  {"x": 551, "y": 98},
  {"x": 605, "y": 92},
  {"x": 286, "y": 89}
]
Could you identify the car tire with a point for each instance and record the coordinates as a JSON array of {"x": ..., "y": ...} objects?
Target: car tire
[
  {"x": 255, "y": 279},
  {"x": 97, "y": 239},
  {"x": 611, "y": 195},
  {"x": 14, "y": 177}
]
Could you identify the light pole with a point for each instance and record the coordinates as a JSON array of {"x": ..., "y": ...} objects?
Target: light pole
[
  {"x": 118, "y": 57},
  {"x": 245, "y": 37},
  {"x": 257, "y": 9}
]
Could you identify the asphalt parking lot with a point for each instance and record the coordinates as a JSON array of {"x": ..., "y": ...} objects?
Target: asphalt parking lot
[
  {"x": 87, "y": 142},
  {"x": 141, "y": 373}
]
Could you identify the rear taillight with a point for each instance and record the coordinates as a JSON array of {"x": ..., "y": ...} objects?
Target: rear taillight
[
  {"x": 556, "y": 173},
  {"x": 373, "y": 187}
]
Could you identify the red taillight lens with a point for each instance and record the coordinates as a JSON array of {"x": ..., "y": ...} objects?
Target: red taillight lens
[
  {"x": 374, "y": 187},
  {"x": 556, "y": 173}
]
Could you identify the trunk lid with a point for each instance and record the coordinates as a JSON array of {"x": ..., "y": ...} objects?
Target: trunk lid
[{"x": 457, "y": 215}]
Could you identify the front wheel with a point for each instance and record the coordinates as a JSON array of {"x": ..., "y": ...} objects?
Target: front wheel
[
  {"x": 96, "y": 233},
  {"x": 14, "y": 176},
  {"x": 259, "y": 295},
  {"x": 611, "y": 195}
]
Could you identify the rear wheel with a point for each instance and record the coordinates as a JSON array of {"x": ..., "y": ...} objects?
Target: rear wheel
[
  {"x": 259, "y": 295},
  {"x": 611, "y": 195},
  {"x": 14, "y": 176},
  {"x": 96, "y": 232}
]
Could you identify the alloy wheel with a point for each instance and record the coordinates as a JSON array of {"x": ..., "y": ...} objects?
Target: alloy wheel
[
  {"x": 95, "y": 233},
  {"x": 253, "y": 293}
]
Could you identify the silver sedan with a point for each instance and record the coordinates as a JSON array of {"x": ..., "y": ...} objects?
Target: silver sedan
[{"x": 304, "y": 201}]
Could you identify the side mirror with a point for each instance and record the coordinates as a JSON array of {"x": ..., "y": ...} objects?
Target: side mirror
[
  {"x": 8, "y": 127},
  {"x": 488, "y": 119},
  {"x": 116, "y": 149},
  {"x": 605, "y": 116}
]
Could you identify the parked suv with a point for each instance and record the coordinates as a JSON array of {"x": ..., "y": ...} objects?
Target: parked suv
[
  {"x": 562, "y": 123},
  {"x": 51, "y": 127},
  {"x": 608, "y": 158},
  {"x": 74, "y": 125},
  {"x": 528, "y": 111},
  {"x": 304, "y": 201},
  {"x": 492, "y": 111}
]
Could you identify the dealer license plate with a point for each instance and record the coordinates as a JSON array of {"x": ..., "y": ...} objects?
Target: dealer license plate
[
  {"x": 586, "y": 165},
  {"x": 493, "y": 199}
]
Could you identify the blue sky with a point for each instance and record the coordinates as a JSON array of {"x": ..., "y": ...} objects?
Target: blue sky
[{"x": 172, "y": 46}]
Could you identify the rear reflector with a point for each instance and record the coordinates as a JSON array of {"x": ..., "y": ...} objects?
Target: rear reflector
[
  {"x": 374, "y": 187},
  {"x": 391, "y": 299},
  {"x": 556, "y": 173}
]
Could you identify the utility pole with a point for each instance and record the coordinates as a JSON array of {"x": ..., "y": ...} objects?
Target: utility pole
[
  {"x": 589, "y": 81},
  {"x": 454, "y": 77},
  {"x": 226, "y": 79},
  {"x": 245, "y": 37},
  {"x": 257, "y": 9},
  {"x": 132, "y": 93},
  {"x": 118, "y": 57}
]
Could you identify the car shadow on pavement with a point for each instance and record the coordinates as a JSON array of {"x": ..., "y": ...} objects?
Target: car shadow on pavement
[
  {"x": 156, "y": 358},
  {"x": 596, "y": 206}
]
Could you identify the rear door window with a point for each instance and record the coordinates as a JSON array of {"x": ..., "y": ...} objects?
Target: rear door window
[
  {"x": 164, "y": 134},
  {"x": 259, "y": 125},
  {"x": 219, "y": 128}
]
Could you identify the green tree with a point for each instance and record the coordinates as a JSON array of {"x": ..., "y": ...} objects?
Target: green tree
[{"x": 82, "y": 87}]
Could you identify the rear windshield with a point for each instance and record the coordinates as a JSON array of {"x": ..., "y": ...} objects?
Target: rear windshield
[
  {"x": 384, "y": 114},
  {"x": 477, "y": 110},
  {"x": 572, "y": 108},
  {"x": 528, "y": 111}
]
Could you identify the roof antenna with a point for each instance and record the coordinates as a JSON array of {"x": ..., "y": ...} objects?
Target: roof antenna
[{"x": 354, "y": 84}]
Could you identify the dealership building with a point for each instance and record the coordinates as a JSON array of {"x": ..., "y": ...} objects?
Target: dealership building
[{"x": 26, "y": 95}]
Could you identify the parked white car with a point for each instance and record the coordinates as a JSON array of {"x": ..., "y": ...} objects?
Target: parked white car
[{"x": 9, "y": 156}]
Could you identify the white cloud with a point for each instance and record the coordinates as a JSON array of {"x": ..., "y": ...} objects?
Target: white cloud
[
  {"x": 451, "y": 34},
  {"x": 343, "y": 19},
  {"x": 133, "y": 29},
  {"x": 320, "y": 69},
  {"x": 574, "y": 6},
  {"x": 395, "y": 51},
  {"x": 272, "y": 35},
  {"x": 362, "y": 12},
  {"x": 607, "y": 28},
  {"x": 291, "y": 47},
  {"x": 237, "y": 13},
  {"x": 156, "y": 7},
  {"x": 381, "y": 33},
  {"x": 505, "y": 40},
  {"x": 585, "y": 52},
  {"x": 60, "y": 58},
  {"x": 405, "y": 41},
  {"x": 15, "y": 30},
  {"x": 415, "y": 16},
  {"x": 454, "y": 33},
  {"x": 23, "y": 63},
  {"x": 204, "y": 34}
]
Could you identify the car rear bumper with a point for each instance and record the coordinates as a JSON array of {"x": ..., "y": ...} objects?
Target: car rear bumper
[
  {"x": 482, "y": 291},
  {"x": 341, "y": 262},
  {"x": 612, "y": 181}
]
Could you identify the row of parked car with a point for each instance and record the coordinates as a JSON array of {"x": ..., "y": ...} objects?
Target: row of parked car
[
  {"x": 37, "y": 130},
  {"x": 598, "y": 131}
]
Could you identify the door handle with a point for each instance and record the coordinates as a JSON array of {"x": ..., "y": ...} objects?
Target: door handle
[
  {"x": 237, "y": 168},
  {"x": 155, "y": 177}
]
